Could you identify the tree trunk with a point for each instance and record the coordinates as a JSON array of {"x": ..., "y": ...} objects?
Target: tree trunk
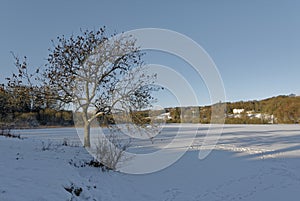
[{"x": 87, "y": 130}]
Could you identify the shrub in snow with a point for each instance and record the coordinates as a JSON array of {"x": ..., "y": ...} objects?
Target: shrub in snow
[
  {"x": 6, "y": 131},
  {"x": 46, "y": 146},
  {"x": 110, "y": 150},
  {"x": 65, "y": 142}
]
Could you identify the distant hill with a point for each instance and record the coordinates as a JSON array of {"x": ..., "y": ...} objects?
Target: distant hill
[
  {"x": 280, "y": 109},
  {"x": 286, "y": 109}
]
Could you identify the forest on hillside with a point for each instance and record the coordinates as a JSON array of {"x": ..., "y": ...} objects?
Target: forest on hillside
[
  {"x": 281, "y": 110},
  {"x": 21, "y": 107}
]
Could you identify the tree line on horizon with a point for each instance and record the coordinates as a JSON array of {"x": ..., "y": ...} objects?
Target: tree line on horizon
[
  {"x": 19, "y": 105},
  {"x": 25, "y": 107}
]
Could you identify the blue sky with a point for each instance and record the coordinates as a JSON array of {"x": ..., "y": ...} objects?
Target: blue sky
[{"x": 255, "y": 44}]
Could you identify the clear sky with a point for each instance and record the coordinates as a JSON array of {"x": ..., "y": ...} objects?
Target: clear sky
[{"x": 255, "y": 44}]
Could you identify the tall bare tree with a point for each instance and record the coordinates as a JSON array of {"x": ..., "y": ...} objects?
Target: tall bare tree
[{"x": 98, "y": 75}]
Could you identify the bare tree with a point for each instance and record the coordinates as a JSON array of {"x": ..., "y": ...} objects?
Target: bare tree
[{"x": 98, "y": 75}]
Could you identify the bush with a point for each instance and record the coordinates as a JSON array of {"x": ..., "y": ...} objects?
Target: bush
[
  {"x": 6, "y": 131},
  {"x": 110, "y": 150}
]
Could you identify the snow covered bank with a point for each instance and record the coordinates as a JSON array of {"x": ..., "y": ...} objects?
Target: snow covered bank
[{"x": 41, "y": 169}]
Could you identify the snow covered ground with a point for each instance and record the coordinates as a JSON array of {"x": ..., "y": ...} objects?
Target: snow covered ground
[{"x": 253, "y": 162}]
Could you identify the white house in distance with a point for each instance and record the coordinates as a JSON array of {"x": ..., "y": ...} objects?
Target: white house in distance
[
  {"x": 238, "y": 111},
  {"x": 163, "y": 116}
]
